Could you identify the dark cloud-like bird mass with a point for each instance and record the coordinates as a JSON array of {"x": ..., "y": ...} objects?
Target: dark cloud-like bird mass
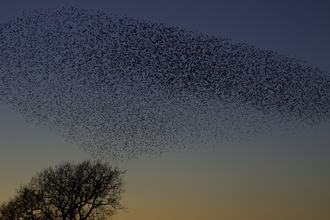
[{"x": 123, "y": 88}]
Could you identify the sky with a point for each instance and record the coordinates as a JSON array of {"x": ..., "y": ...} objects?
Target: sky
[{"x": 280, "y": 176}]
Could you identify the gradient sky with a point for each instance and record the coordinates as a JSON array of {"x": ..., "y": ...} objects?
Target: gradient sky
[{"x": 278, "y": 177}]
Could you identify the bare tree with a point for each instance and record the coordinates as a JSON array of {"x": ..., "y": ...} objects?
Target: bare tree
[
  {"x": 10, "y": 210},
  {"x": 23, "y": 206},
  {"x": 88, "y": 190}
]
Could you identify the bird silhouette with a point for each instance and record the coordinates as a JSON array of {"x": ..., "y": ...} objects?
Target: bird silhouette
[{"x": 122, "y": 88}]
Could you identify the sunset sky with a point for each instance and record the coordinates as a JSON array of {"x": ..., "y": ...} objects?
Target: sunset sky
[{"x": 283, "y": 176}]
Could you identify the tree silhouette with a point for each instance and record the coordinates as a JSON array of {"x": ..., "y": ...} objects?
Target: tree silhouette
[{"x": 88, "y": 190}]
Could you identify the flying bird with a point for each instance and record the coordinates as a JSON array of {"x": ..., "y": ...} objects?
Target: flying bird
[{"x": 122, "y": 88}]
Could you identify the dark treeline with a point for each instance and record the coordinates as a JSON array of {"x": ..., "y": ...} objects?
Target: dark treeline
[{"x": 83, "y": 191}]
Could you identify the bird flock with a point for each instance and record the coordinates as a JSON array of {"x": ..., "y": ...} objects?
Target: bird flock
[{"x": 122, "y": 88}]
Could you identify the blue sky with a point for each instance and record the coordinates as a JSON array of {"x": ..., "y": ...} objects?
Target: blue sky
[{"x": 278, "y": 176}]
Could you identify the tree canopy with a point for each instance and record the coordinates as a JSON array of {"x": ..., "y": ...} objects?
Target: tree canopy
[{"x": 88, "y": 190}]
